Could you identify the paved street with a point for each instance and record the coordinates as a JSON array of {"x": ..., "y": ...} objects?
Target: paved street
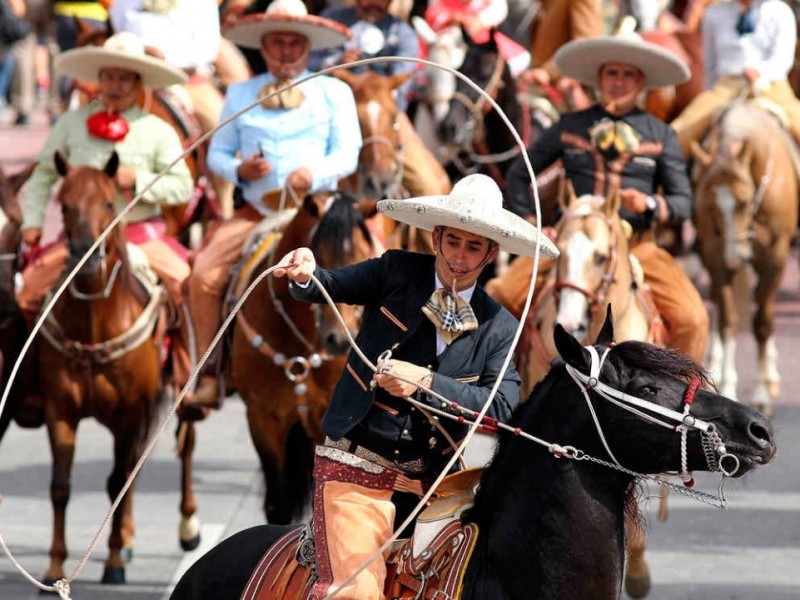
[{"x": 750, "y": 551}]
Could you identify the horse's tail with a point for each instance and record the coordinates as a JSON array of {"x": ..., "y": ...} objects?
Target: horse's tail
[{"x": 299, "y": 468}]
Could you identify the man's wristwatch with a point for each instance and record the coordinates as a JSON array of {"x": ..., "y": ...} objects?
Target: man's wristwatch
[{"x": 652, "y": 207}]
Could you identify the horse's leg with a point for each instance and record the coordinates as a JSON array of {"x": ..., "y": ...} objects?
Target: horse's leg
[
  {"x": 190, "y": 525},
  {"x": 62, "y": 432},
  {"x": 770, "y": 272},
  {"x": 637, "y": 573},
  {"x": 125, "y": 457},
  {"x": 727, "y": 325},
  {"x": 269, "y": 433}
]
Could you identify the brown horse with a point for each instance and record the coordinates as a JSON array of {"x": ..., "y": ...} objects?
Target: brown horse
[
  {"x": 12, "y": 324},
  {"x": 380, "y": 163},
  {"x": 746, "y": 208},
  {"x": 287, "y": 356},
  {"x": 101, "y": 357}
]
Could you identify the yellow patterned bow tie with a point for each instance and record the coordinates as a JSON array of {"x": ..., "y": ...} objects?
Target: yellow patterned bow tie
[
  {"x": 611, "y": 135},
  {"x": 161, "y": 7},
  {"x": 288, "y": 99},
  {"x": 452, "y": 316}
]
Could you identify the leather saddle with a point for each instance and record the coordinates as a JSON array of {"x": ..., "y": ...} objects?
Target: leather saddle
[{"x": 431, "y": 564}]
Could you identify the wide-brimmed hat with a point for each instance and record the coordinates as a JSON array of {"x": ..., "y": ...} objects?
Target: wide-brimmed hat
[
  {"x": 290, "y": 16},
  {"x": 475, "y": 205},
  {"x": 123, "y": 50},
  {"x": 582, "y": 59}
]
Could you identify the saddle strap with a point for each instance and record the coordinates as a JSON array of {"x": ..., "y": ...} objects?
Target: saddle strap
[{"x": 278, "y": 575}]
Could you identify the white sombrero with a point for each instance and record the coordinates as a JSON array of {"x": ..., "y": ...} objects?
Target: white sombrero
[
  {"x": 122, "y": 50},
  {"x": 582, "y": 59},
  {"x": 475, "y": 205},
  {"x": 289, "y": 16}
]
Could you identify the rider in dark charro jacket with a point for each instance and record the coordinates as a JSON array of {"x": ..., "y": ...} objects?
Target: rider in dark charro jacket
[
  {"x": 615, "y": 145},
  {"x": 444, "y": 332}
]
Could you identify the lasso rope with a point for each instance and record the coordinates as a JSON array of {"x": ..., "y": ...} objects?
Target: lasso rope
[{"x": 62, "y": 586}]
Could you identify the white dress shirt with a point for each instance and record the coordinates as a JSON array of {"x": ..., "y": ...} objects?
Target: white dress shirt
[
  {"x": 189, "y": 35},
  {"x": 769, "y": 49}
]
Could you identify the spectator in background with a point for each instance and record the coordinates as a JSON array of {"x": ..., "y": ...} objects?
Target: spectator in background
[
  {"x": 748, "y": 46},
  {"x": 13, "y": 28}
]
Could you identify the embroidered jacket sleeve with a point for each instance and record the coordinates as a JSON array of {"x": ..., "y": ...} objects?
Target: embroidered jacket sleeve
[{"x": 344, "y": 140}]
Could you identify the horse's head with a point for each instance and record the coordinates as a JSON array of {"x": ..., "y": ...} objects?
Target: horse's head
[
  {"x": 589, "y": 242},
  {"x": 449, "y": 49},
  {"x": 10, "y": 226},
  {"x": 633, "y": 400},
  {"x": 379, "y": 164},
  {"x": 87, "y": 197},
  {"x": 731, "y": 178},
  {"x": 338, "y": 238}
]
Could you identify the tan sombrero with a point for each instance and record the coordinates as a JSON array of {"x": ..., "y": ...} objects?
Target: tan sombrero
[
  {"x": 582, "y": 59},
  {"x": 287, "y": 16},
  {"x": 475, "y": 205},
  {"x": 122, "y": 50}
]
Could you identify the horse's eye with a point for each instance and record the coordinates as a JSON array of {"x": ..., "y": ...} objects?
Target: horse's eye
[
  {"x": 600, "y": 259},
  {"x": 110, "y": 206}
]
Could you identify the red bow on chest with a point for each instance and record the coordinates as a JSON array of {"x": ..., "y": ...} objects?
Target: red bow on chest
[{"x": 107, "y": 126}]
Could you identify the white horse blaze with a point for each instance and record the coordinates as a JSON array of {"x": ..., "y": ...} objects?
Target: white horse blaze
[{"x": 573, "y": 306}]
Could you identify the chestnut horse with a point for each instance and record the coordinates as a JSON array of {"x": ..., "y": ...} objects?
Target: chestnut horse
[
  {"x": 746, "y": 209},
  {"x": 287, "y": 356},
  {"x": 380, "y": 163},
  {"x": 101, "y": 357}
]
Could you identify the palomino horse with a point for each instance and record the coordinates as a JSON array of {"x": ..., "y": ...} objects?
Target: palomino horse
[
  {"x": 746, "y": 208},
  {"x": 595, "y": 270},
  {"x": 12, "y": 324},
  {"x": 551, "y": 528},
  {"x": 286, "y": 356},
  {"x": 101, "y": 357}
]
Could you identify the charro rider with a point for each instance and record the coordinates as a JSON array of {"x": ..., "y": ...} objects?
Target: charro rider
[
  {"x": 304, "y": 140},
  {"x": 616, "y": 144},
  {"x": 444, "y": 332}
]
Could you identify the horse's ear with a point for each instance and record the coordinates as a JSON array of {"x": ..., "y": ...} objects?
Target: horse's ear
[
  {"x": 570, "y": 349},
  {"x": 395, "y": 81},
  {"x": 310, "y": 206},
  {"x": 606, "y": 335},
  {"x": 112, "y": 164},
  {"x": 367, "y": 208},
  {"x": 567, "y": 198},
  {"x": 745, "y": 154},
  {"x": 345, "y": 75},
  {"x": 703, "y": 157},
  {"x": 18, "y": 179},
  {"x": 62, "y": 166}
]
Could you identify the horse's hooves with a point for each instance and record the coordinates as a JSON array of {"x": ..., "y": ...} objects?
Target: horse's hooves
[
  {"x": 126, "y": 554},
  {"x": 191, "y": 544},
  {"x": 48, "y": 581},
  {"x": 765, "y": 408},
  {"x": 113, "y": 575},
  {"x": 638, "y": 586}
]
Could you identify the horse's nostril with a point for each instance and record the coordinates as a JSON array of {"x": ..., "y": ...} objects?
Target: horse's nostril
[{"x": 760, "y": 434}]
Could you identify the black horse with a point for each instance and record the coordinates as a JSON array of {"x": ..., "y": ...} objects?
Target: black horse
[
  {"x": 553, "y": 528},
  {"x": 476, "y": 137}
]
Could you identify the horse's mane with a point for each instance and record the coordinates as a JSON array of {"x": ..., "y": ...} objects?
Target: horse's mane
[{"x": 336, "y": 227}]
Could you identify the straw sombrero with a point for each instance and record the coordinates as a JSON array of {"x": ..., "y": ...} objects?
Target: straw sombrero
[
  {"x": 122, "y": 50},
  {"x": 287, "y": 16},
  {"x": 475, "y": 205},
  {"x": 582, "y": 59}
]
